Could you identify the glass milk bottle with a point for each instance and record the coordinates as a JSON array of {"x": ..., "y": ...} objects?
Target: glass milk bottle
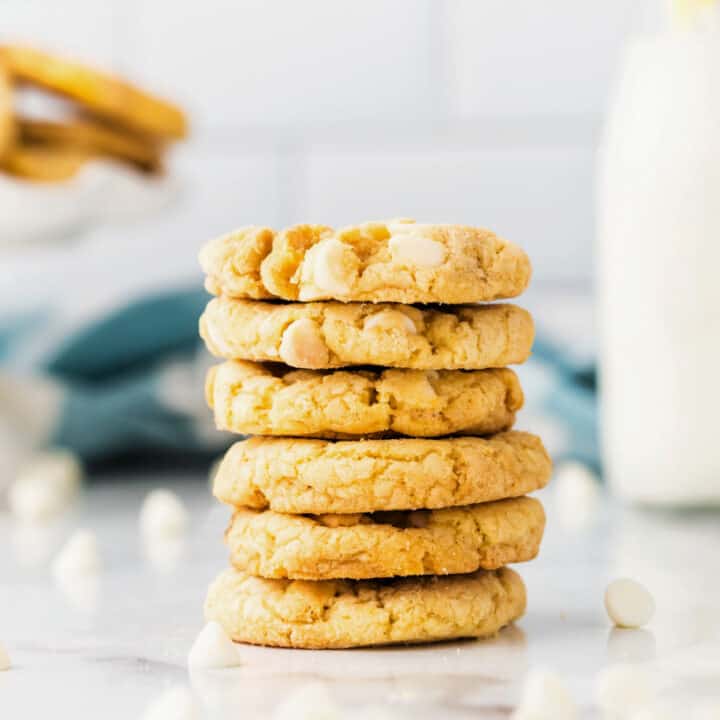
[{"x": 659, "y": 270}]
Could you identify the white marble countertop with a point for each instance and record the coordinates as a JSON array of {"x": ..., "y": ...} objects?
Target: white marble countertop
[{"x": 107, "y": 649}]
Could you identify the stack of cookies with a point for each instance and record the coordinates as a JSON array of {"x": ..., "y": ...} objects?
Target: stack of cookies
[{"x": 383, "y": 493}]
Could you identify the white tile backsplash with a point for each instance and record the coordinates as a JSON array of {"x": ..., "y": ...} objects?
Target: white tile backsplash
[
  {"x": 289, "y": 65},
  {"x": 523, "y": 57}
]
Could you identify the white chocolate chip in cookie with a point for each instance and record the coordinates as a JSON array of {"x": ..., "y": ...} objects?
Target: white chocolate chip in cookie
[
  {"x": 390, "y": 320},
  {"x": 330, "y": 266},
  {"x": 303, "y": 345},
  {"x": 413, "y": 250}
]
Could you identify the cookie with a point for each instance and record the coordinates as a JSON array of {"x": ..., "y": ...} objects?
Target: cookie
[
  {"x": 43, "y": 164},
  {"x": 332, "y": 334},
  {"x": 363, "y": 476},
  {"x": 386, "y": 544},
  {"x": 7, "y": 121},
  {"x": 347, "y": 613},
  {"x": 397, "y": 261},
  {"x": 96, "y": 138},
  {"x": 265, "y": 399},
  {"x": 96, "y": 91}
]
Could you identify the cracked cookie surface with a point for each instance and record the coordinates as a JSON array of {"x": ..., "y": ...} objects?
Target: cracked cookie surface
[
  {"x": 301, "y": 475},
  {"x": 380, "y": 545},
  {"x": 263, "y": 399},
  {"x": 397, "y": 261},
  {"x": 346, "y": 613},
  {"x": 332, "y": 334}
]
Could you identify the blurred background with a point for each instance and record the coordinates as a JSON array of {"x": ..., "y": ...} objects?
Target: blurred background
[{"x": 485, "y": 113}]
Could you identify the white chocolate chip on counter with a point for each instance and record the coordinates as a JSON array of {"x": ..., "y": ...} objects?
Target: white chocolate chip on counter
[
  {"x": 303, "y": 346},
  {"x": 390, "y": 320},
  {"x": 5, "y": 663},
  {"x": 177, "y": 703},
  {"x": 623, "y": 689},
  {"x": 413, "y": 250},
  {"x": 628, "y": 603},
  {"x": 309, "y": 702},
  {"x": 79, "y": 557},
  {"x": 213, "y": 648},
  {"x": 330, "y": 266},
  {"x": 545, "y": 697},
  {"x": 45, "y": 486},
  {"x": 163, "y": 514}
]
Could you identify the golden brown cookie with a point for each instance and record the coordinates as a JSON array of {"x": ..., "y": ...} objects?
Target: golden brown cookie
[
  {"x": 95, "y": 138},
  {"x": 397, "y": 261},
  {"x": 347, "y": 613},
  {"x": 42, "y": 163},
  {"x": 98, "y": 92},
  {"x": 386, "y": 544},
  {"x": 332, "y": 334},
  {"x": 266, "y": 399},
  {"x": 7, "y": 120},
  {"x": 363, "y": 476}
]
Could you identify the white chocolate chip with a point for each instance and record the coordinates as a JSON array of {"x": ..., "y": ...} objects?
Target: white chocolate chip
[
  {"x": 545, "y": 697},
  {"x": 213, "y": 648},
  {"x": 414, "y": 250},
  {"x": 390, "y": 320},
  {"x": 628, "y": 603},
  {"x": 79, "y": 557},
  {"x": 623, "y": 689},
  {"x": 163, "y": 514},
  {"x": 330, "y": 267},
  {"x": 177, "y": 703},
  {"x": 577, "y": 494},
  {"x": 303, "y": 345},
  {"x": 45, "y": 486},
  {"x": 309, "y": 702},
  {"x": 5, "y": 663}
]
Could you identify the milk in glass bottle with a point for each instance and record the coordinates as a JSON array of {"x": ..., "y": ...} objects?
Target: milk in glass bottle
[{"x": 659, "y": 266}]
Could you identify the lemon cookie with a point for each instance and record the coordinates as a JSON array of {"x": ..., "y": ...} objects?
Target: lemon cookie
[
  {"x": 332, "y": 334},
  {"x": 7, "y": 120},
  {"x": 44, "y": 164},
  {"x": 265, "y": 399},
  {"x": 398, "y": 261},
  {"x": 363, "y": 476},
  {"x": 97, "y": 91},
  {"x": 386, "y": 544},
  {"x": 347, "y": 613},
  {"x": 96, "y": 138}
]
